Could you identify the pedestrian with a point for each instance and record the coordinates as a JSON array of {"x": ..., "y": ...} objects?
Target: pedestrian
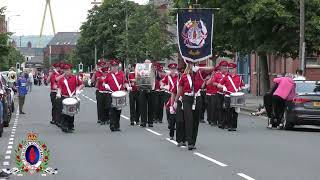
[
  {"x": 299, "y": 76},
  {"x": 284, "y": 92},
  {"x": 30, "y": 81},
  {"x": 188, "y": 88},
  {"x": 115, "y": 81},
  {"x": 168, "y": 83},
  {"x": 22, "y": 91},
  {"x": 53, "y": 74},
  {"x": 94, "y": 79},
  {"x": 68, "y": 85},
  {"x": 134, "y": 98},
  {"x": 230, "y": 84},
  {"x": 12, "y": 75},
  {"x": 103, "y": 96},
  {"x": 39, "y": 78},
  {"x": 211, "y": 92}
]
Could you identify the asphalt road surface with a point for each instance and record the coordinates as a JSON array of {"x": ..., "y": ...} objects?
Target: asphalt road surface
[{"x": 135, "y": 153}]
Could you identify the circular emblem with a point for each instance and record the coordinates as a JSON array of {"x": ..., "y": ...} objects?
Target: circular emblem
[{"x": 194, "y": 34}]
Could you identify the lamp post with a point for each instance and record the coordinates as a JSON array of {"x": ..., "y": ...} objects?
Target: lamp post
[{"x": 8, "y": 22}]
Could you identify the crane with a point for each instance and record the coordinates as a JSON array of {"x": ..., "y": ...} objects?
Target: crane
[{"x": 48, "y": 4}]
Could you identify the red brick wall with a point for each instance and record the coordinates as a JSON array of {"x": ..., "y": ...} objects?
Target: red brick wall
[
  {"x": 313, "y": 74},
  {"x": 58, "y": 49}
]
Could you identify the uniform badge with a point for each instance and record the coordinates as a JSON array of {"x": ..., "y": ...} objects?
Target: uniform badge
[{"x": 32, "y": 156}]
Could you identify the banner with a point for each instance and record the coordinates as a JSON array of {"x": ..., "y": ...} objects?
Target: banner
[{"x": 194, "y": 31}]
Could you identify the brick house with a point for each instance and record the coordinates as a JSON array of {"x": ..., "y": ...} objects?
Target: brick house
[{"x": 62, "y": 44}]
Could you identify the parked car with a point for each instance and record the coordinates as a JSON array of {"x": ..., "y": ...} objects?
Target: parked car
[
  {"x": 1, "y": 112},
  {"x": 305, "y": 107},
  {"x": 7, "y": 100}
]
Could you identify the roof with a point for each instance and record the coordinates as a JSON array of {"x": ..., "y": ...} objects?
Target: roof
[
  {"x": 65, "y": 38},
  {"x": 25, "y": 51}
]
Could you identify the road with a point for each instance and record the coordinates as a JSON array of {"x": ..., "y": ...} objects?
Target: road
[{"x": 135, "y": 153}]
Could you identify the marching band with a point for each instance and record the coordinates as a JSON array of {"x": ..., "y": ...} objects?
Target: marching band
[{"x": 184, "y": 95}]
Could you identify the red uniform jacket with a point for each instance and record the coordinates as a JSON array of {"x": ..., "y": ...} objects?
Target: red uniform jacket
[
  {"x": 73, "y": 82},
  {"x": 172, "y": 83},
  {"x": 132, "y": 77},
  {"x": 121, "y": 79},
  {"x": 237, "y": 80}
]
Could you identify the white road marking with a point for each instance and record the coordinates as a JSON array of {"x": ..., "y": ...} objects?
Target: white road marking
[
  {"x": 14, "y": 127},
  {"x": 172, "y": 141},
  {"x": 11, "y": 139},
  {"x": 7, "y": 157},
  {"x": 13, "y": 132},
  {"x": 245, "y": 176},
  {"x": 19, "y": 174},
  {"x": 6, "y": 163},
  {"x": 125, "y": 117},
  {"x": 11, "y": 142},
  {"x": 11, "y": 135},
  {"x": 8, "y": 152},
  {"x": 210, "y": 159},
  {"x": 9, "y": 147},
  {"x": 158, "y": 134}
]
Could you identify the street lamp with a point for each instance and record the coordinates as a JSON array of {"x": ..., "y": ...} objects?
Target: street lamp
[{"x": 8, "y": 22}]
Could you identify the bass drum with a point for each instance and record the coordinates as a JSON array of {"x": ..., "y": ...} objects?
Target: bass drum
[{"x": 145, "y": 76}]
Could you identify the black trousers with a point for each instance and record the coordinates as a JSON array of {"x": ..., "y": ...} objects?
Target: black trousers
[
  {"x": 146, "y": 105},
  {"x": 267, "y": 101},
  {"x": 134, "y": 106},
  {"x": 214, "y": 100},
  {"x": 59, "y": 111},
  {"x": 166, "y": 98},
  {"x": 203, "y": 105},
  {"x": 55, "y": 107},
  {"x": 98, "y": 104},
  {"x": 231, "y": 114},
  {"x": 210, "y": 109},
  {"x": 158, "y": 100},
  {"x": 67, "y": 122},
  {"x": 220, "y": 110},
  {"x": 278, "y": 105},
  {"x": 115, "y": 118},
  {"x": 180, "y": 123},
  {"x": 104, "y": 106},
  {"x": 191, "y": 118},
  {"x": 21, "y": 102},
  {"x": 172, "y": 123}
]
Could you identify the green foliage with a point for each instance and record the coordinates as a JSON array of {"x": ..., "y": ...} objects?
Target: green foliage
[{"x": 105, "y": 28}]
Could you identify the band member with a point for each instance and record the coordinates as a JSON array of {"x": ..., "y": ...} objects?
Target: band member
[
  {"x": 96, "y": 75},
  {"x": 133, "y": 98},
  {"x": 211, "y": 95},
  {"x": 190, "y": 102},
  {"x": 168, "y": 83},
  {"x": 230, "y": 84},
  {"x": 158, "y": 95},
  {"x": 146, "y": 106},
  {"x": 219, "y": 98},
  {"x": 200, "y": 78},
  {"x": 103, "y": 97},
  {"x": 68, "y": 86},
  {"x": 53, "y": 93},
  {"x": 115, "y": 81}
]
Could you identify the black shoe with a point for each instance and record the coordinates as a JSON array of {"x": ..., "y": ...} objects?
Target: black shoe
[
  {"x": 52, "y": 122},
  {"x": 191, "y": 147},
  {"x": 160, "y": 122},
  {"x": 143, "y": 125},
  {"x": 22, "y": 113},
  {"x": 108, "y": 121},
  {"x": 117, "y": 129},
  {"x": 184, "y": 144},
  {"x": 112, "y": 129},
  {"x": 180, "y": 144},
  {"x": 202, "y": 121},
  {"x": 103, "y": 123},
  {"x": 132, "y": 123},
  {"x": 99, "y": 121},
  {"x": 221, "y": 127},
  {"x": 150, "y": 125},
  {"x": 64, "y": 130},
  {"x": 137, "y": 123},
  {"x": 155, "y": 121},
  {"x": 230, "y": 129},
  {"x": 171, "y": 138},
  {"x": 234, "y": 129},
  {"x": 4, "y": 174}
]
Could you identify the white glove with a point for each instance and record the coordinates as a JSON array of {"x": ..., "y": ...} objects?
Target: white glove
[
  {"x": 166, "y": 87},
  {"x": 78, "y": 92},
  {"x": 172, "y": 111},
  {"x": 175, "y": 105},
  {"x": 195, "y": 68},
  {"x": 224, "y": 88},
  {"x": 58, "y": 95},
  {"x": 129, "y": 89},
  {"x": 107, "y": 87},
  {"x": 247, "y": 86}
]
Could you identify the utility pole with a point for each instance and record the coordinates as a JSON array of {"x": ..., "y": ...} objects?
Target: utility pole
[
  {"x": 126, "y": 63},
  {"x": 302, "y": 44},
  {"x": 95, "y": 56}
]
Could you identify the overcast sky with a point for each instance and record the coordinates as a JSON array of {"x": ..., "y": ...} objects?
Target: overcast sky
[{"x": 68, "y": 15}]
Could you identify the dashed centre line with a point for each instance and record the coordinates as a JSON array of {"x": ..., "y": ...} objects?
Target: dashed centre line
[
  {"x": 210, "y": 159},
  {"x": 245, "y": 176},
  {"x": 153, "y": 132}
]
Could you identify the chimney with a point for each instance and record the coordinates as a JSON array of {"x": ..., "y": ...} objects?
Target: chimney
[{"x": 29, "y": 45}]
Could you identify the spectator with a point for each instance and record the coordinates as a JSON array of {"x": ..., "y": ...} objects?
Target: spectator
[
  {"x": 299, "y": 76},
  {"x": 30, "y": 81},
  {"x": 22, "y": 91}
]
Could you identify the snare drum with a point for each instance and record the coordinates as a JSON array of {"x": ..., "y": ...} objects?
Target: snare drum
[
  {"x": 71, "y": 106},
  {"x": 145, "y": 76},
  {"x": 119, "y": 99},
  {"x": 237, "y": 99}
]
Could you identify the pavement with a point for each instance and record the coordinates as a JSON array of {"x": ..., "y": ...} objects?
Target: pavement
[{"x": 135, "y": 153}]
